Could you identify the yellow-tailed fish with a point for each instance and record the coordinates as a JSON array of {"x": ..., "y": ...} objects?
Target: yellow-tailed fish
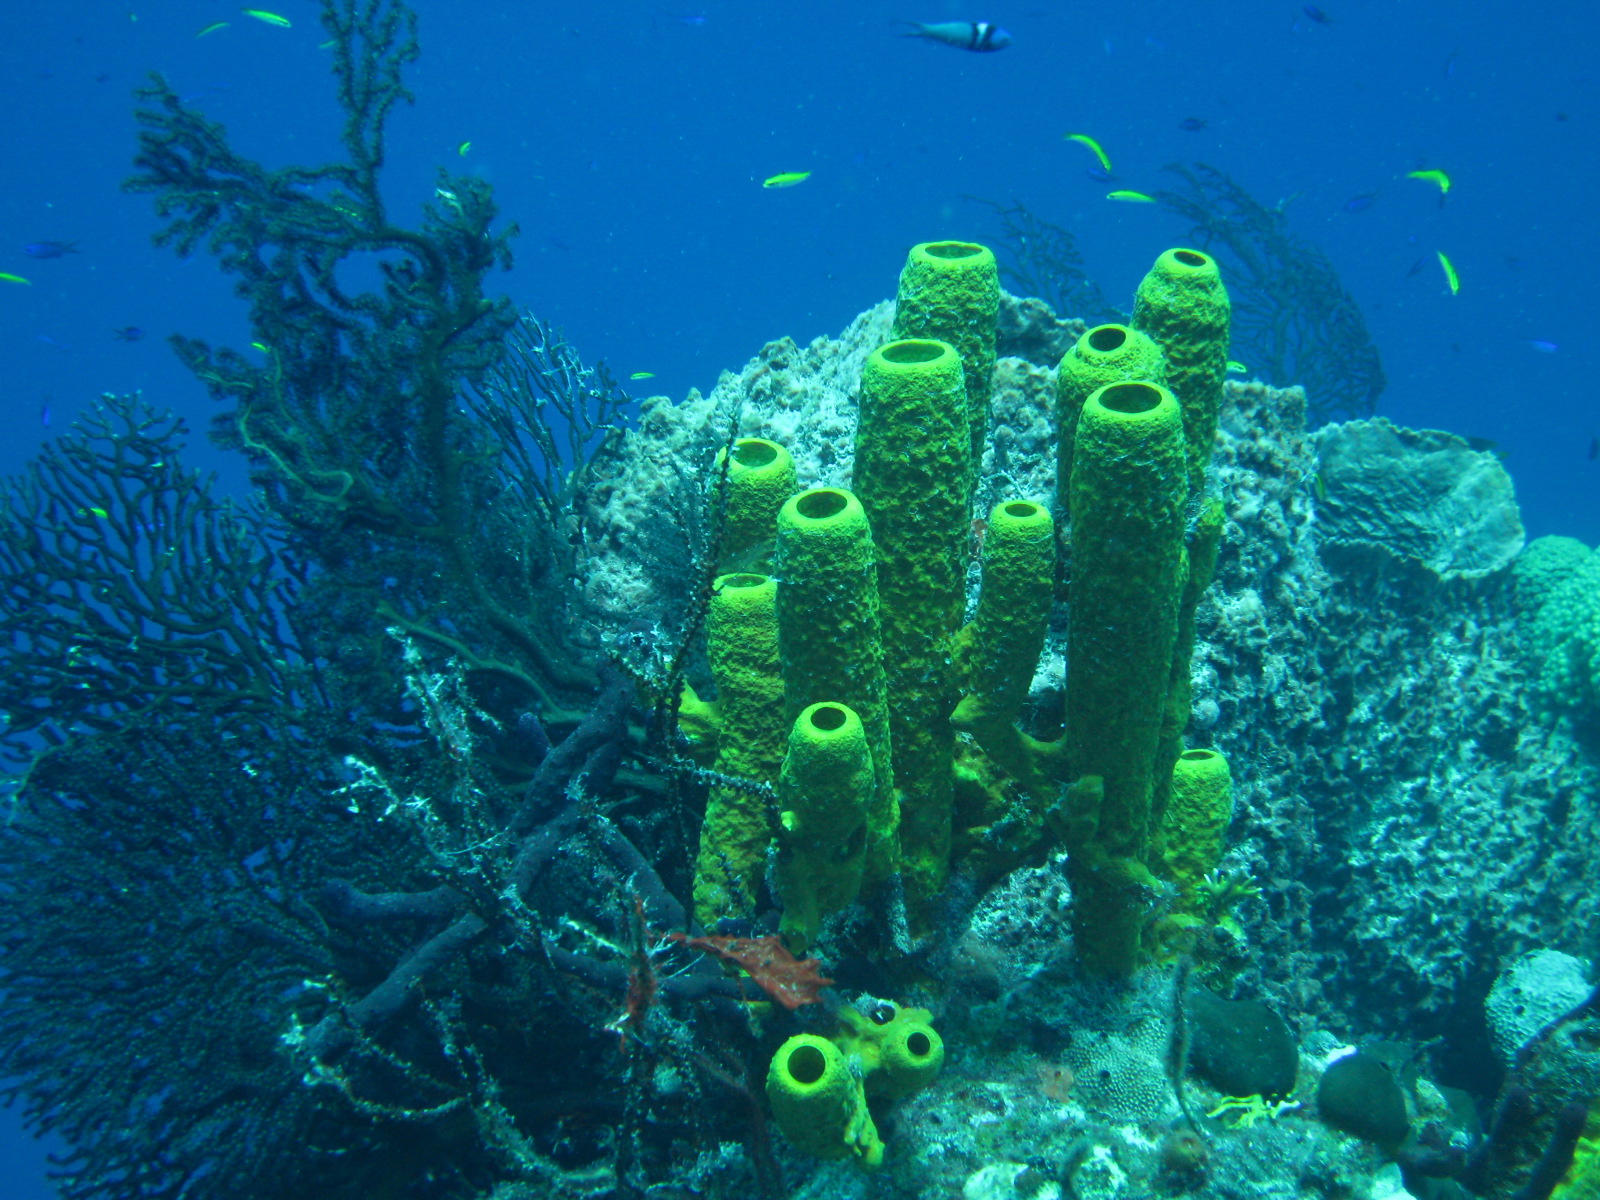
[
  {"x": 787, "y": 179},
  {"x": 1450, "y": 275},
  {"x": 1083, "y": 139},
  {"x": 1438, "y": 177},
  {"x": 270, "y": 18},
  {"x": 463, "y": 148},
  {"x": 211, "y": 29},
  {"x": 1236, "y": 368},
  {"x": 642, "y": 375},
  {"x": 8, "y": 277},
  {"x": 1131, "y": 197}
]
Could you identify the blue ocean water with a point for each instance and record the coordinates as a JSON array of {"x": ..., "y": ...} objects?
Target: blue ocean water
[{"x": 629, "y": 142}]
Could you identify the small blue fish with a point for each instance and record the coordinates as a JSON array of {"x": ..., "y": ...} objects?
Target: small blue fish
[
  {"x": 44, "y": 413},
  {"x": 1360, "y": 203},
  {"x": 128, "y": 333},
  {"x": 1316, "y": 14},
  {"x": 50, "y": 249},
  {"x": 1192, "y": 124},
  {"x": 1099, "y": 174},
  {"x": 980, "y": 36},
  {"x": 1543, "y": 347}
]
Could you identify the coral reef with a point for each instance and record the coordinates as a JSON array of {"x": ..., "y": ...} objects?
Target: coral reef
[{"x": 349, "y": 834}]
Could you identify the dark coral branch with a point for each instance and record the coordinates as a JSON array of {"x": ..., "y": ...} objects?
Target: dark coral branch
[
  {"x": 125, "y": 587},
  {"x": 1293, "y": 320}
]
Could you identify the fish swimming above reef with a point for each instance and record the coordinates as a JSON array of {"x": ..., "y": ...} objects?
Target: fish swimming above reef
[
  {"x": 979, "y": 36},
  {"x": 50, "y": 249}
]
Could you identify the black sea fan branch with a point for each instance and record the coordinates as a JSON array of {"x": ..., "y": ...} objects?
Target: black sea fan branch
[
  {"x": 1293, "y": 320},
  {"x": 126, "y": 588}
]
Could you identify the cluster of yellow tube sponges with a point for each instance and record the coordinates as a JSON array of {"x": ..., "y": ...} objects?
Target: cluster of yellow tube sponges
[
  {"x": 847, "y": 675},
  {"x": 818, "y": 1087}
]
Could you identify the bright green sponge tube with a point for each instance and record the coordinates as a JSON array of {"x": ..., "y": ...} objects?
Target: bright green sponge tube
[
  {"x": 1104, "y": 354},
  {"x": 1195, "y": 824},
  {"x": 1182, "y": 305},
  {"x": 829, "y": 639},
  {"x": 951, "y": 291},
  {"x": 824, "y": 794},
  {"x": 911, "y": 460},
  {"x": 1128, "y": 495},
  {"x": 1000, "y": 649},
  {"x": 761, "y": 476},
  {"x": 742, "y": 638},
  {"x": 817, "y": 1099}
]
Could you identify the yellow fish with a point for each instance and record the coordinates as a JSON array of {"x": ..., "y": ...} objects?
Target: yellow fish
[
  {"x": 270, "y": 18},
  {"x": 1131, "y": 197},
  {"x": 261, "y": 346},
  {"x": 463, "y": 148},
  {"x": 211, "y": 29},
  {"x": 1084, "y": 139},
  {"x": 1449, "y": 272},
  {"x": 1438, "y": 177},
  {"x": 787, "y": 179},
  {"x": 8, "y": 277},
  {"x": 1236, "y": 368},
  {"x": 642, "y": 375}
]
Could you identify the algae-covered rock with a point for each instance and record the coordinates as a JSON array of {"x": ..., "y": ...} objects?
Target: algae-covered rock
[
  {"x": 1241, "y": 1047},
  {"x": 1360, "y": 1095}
]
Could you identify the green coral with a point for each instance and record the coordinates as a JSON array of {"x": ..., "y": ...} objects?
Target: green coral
[
  {"x": 1195, "y": 824},
  {"x": 1000, "y": 649}
]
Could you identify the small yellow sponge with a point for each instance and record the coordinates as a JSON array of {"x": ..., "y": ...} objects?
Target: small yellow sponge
[{"x": 815, "y": 1093}]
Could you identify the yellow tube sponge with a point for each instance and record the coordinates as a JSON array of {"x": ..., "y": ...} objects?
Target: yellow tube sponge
[
  {"x": 742, "y": 639},
  {"x": 911, "y": 476},
  {"x": 761, "y": 476},
  {"x": 951, "y": 291},
  {"x": 830, "y": 641},
  {"x": 1104, "y": 354},
  {"x": 825, "y": 793},
  {"x": 1195, "y": 824},
  {"x": 817, "y": 1100},
  {"x": 1000, "y": 650},
  {"x": 1182, "y": 305},
  {"x": 1129, "y": 492}
]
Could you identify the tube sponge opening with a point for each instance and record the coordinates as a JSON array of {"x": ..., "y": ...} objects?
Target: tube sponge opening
[{"x": 818, "y": 1103}]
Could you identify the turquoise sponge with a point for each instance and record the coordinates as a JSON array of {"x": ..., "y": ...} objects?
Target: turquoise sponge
[{"x": 1556, "y": 584}]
